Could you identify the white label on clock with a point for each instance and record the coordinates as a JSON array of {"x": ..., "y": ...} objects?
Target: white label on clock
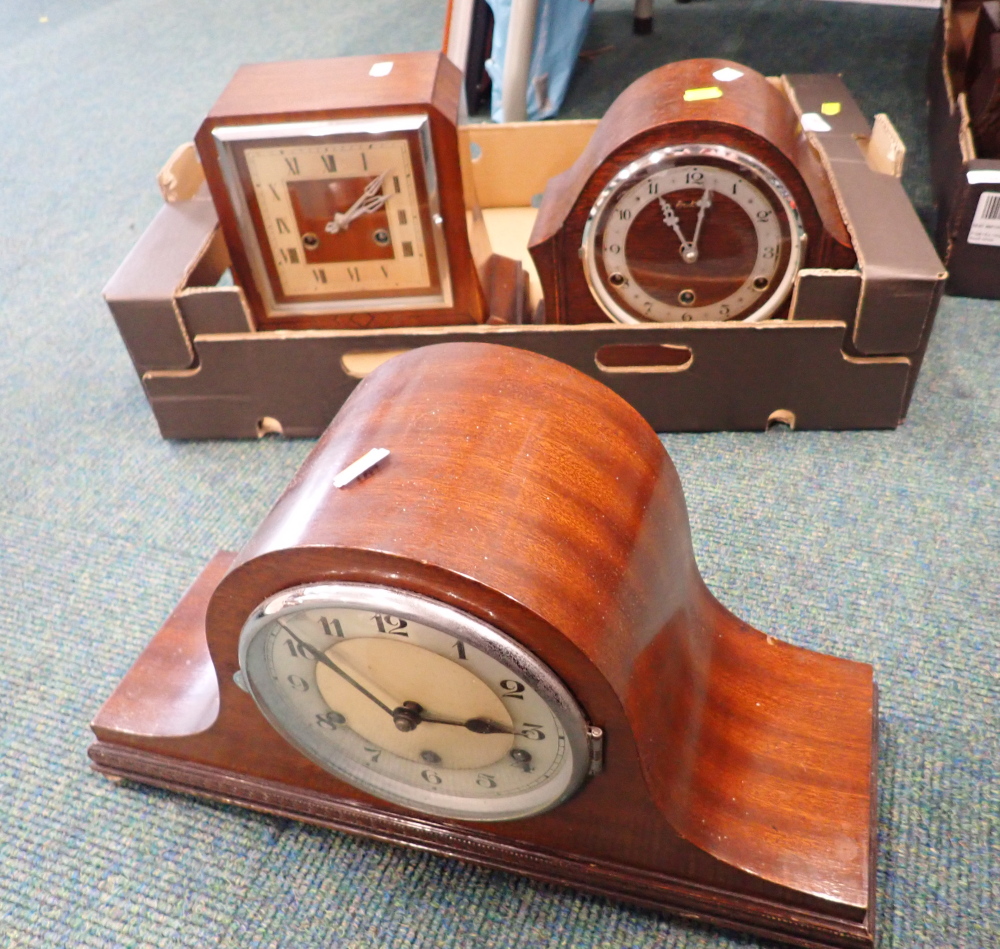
[{"x": 986, "y": 223}]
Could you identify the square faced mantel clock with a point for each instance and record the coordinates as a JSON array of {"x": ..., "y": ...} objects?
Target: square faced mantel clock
[{"x": 339, "y": 191}]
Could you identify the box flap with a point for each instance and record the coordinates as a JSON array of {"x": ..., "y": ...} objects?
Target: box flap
[{"x": 900, "y": 269}]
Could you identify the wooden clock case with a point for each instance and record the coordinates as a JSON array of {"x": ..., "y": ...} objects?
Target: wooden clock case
[
  {"x": 739, "y": 777},
  {"x": 354, "y": 87},
  {"x": 748, "y": 114}
]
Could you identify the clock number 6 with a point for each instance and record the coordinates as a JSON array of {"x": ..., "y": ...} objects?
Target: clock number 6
[{"x": 532, "y": 732}]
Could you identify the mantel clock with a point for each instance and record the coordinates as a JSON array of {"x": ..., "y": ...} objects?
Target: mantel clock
[
  {"x": 699, "y": 198},
  {"x": 473, "y": 628},
  {"x": 339, "y": 191}
]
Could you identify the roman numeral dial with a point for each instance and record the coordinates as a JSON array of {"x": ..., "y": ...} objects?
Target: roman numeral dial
[{"x": 350, "y": 211}]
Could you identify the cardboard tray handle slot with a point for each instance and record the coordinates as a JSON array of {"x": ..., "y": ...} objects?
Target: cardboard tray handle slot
[{"x": 643, "y": 357}]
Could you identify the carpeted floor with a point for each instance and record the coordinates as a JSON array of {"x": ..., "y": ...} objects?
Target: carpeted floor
[{"x": 883, "y": 547}]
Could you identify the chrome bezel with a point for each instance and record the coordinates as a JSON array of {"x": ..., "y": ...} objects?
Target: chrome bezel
[
  {"x": 670, "y": 157},
  {"x": 225, "y": 136},
  {"x": 447, "y": 619}
]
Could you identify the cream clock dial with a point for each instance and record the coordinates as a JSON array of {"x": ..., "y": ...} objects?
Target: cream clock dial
[
  {"x": 415, "y": 702},
  {"x": 691, "y": 233},
  {"x": 338, "y": 215}
]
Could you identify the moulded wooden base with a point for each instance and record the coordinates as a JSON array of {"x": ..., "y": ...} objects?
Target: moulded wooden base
[
  {"x": 640, "y": 887},
  {"x": 161, "y": 727}
]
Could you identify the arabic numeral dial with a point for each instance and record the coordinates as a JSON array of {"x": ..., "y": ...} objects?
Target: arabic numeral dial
[{"x": 421, "y": 705}]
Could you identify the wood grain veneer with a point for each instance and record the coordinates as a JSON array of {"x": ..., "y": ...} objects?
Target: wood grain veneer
[
  {"x": 752, "y": 116},
  {"x": 739, "y": 778},
  {"x": 343, "y": 88}
]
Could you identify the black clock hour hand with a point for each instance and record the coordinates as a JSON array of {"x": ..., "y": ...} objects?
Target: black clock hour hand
[
  {"x": 320, "y": 656},
  {"x": 481, "y": 726}
]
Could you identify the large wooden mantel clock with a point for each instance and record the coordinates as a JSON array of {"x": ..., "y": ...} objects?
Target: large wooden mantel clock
[
  {"x": 698, "y": 198},
  {"x": 340, "y": 194},
  {"x": 494, "y": 643}
]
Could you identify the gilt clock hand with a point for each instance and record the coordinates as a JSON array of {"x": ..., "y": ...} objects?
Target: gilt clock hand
[
  {"x": 671, "y": 220},
  {"x": 369, "y": 202},
  {"x": 704, "y": 203},
  {"x": 320, "y": 656}
]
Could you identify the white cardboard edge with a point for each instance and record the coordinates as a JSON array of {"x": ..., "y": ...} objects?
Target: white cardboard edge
[{"x": 983, "y": 177}]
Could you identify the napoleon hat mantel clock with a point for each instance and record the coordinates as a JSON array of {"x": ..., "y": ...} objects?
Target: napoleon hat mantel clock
[
  {"x": 339, "y": 191},
  {"x": 495, "y": 644},
  {"x": 698, "y": 198}
]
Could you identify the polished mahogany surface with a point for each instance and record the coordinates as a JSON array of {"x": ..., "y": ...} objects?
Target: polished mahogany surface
[
  {"x": 750, "y": 115},
  {"x": 739, "y": 770}
]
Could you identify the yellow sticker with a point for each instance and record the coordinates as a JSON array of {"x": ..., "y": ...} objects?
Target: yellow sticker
[
  {"x": 708, "y": 92},
  {"x": 830, "y": 108}
]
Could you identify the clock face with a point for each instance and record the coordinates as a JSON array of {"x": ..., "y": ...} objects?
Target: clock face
[
  {"x": 338, "y": 216},
  {"x": 692, "y": 232},
  {"x": 415, "y": 702}
]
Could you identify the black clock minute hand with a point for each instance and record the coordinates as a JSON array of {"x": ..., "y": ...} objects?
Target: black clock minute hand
[{"x": 320, "y": 656}]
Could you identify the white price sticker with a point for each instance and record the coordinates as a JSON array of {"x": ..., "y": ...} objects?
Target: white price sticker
[{"x": 986, "y": 224}]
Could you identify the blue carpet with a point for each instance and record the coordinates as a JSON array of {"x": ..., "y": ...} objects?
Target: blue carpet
[{"x": 882, "y": 547}]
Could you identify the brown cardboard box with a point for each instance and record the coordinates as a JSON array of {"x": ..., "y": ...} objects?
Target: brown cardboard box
[
  {"x": 966, "y": 187},
  {"x": 847, "y": 358}
]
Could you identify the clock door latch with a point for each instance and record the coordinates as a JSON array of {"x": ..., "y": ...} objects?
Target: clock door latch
[{"x": 595, "y": 738}]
